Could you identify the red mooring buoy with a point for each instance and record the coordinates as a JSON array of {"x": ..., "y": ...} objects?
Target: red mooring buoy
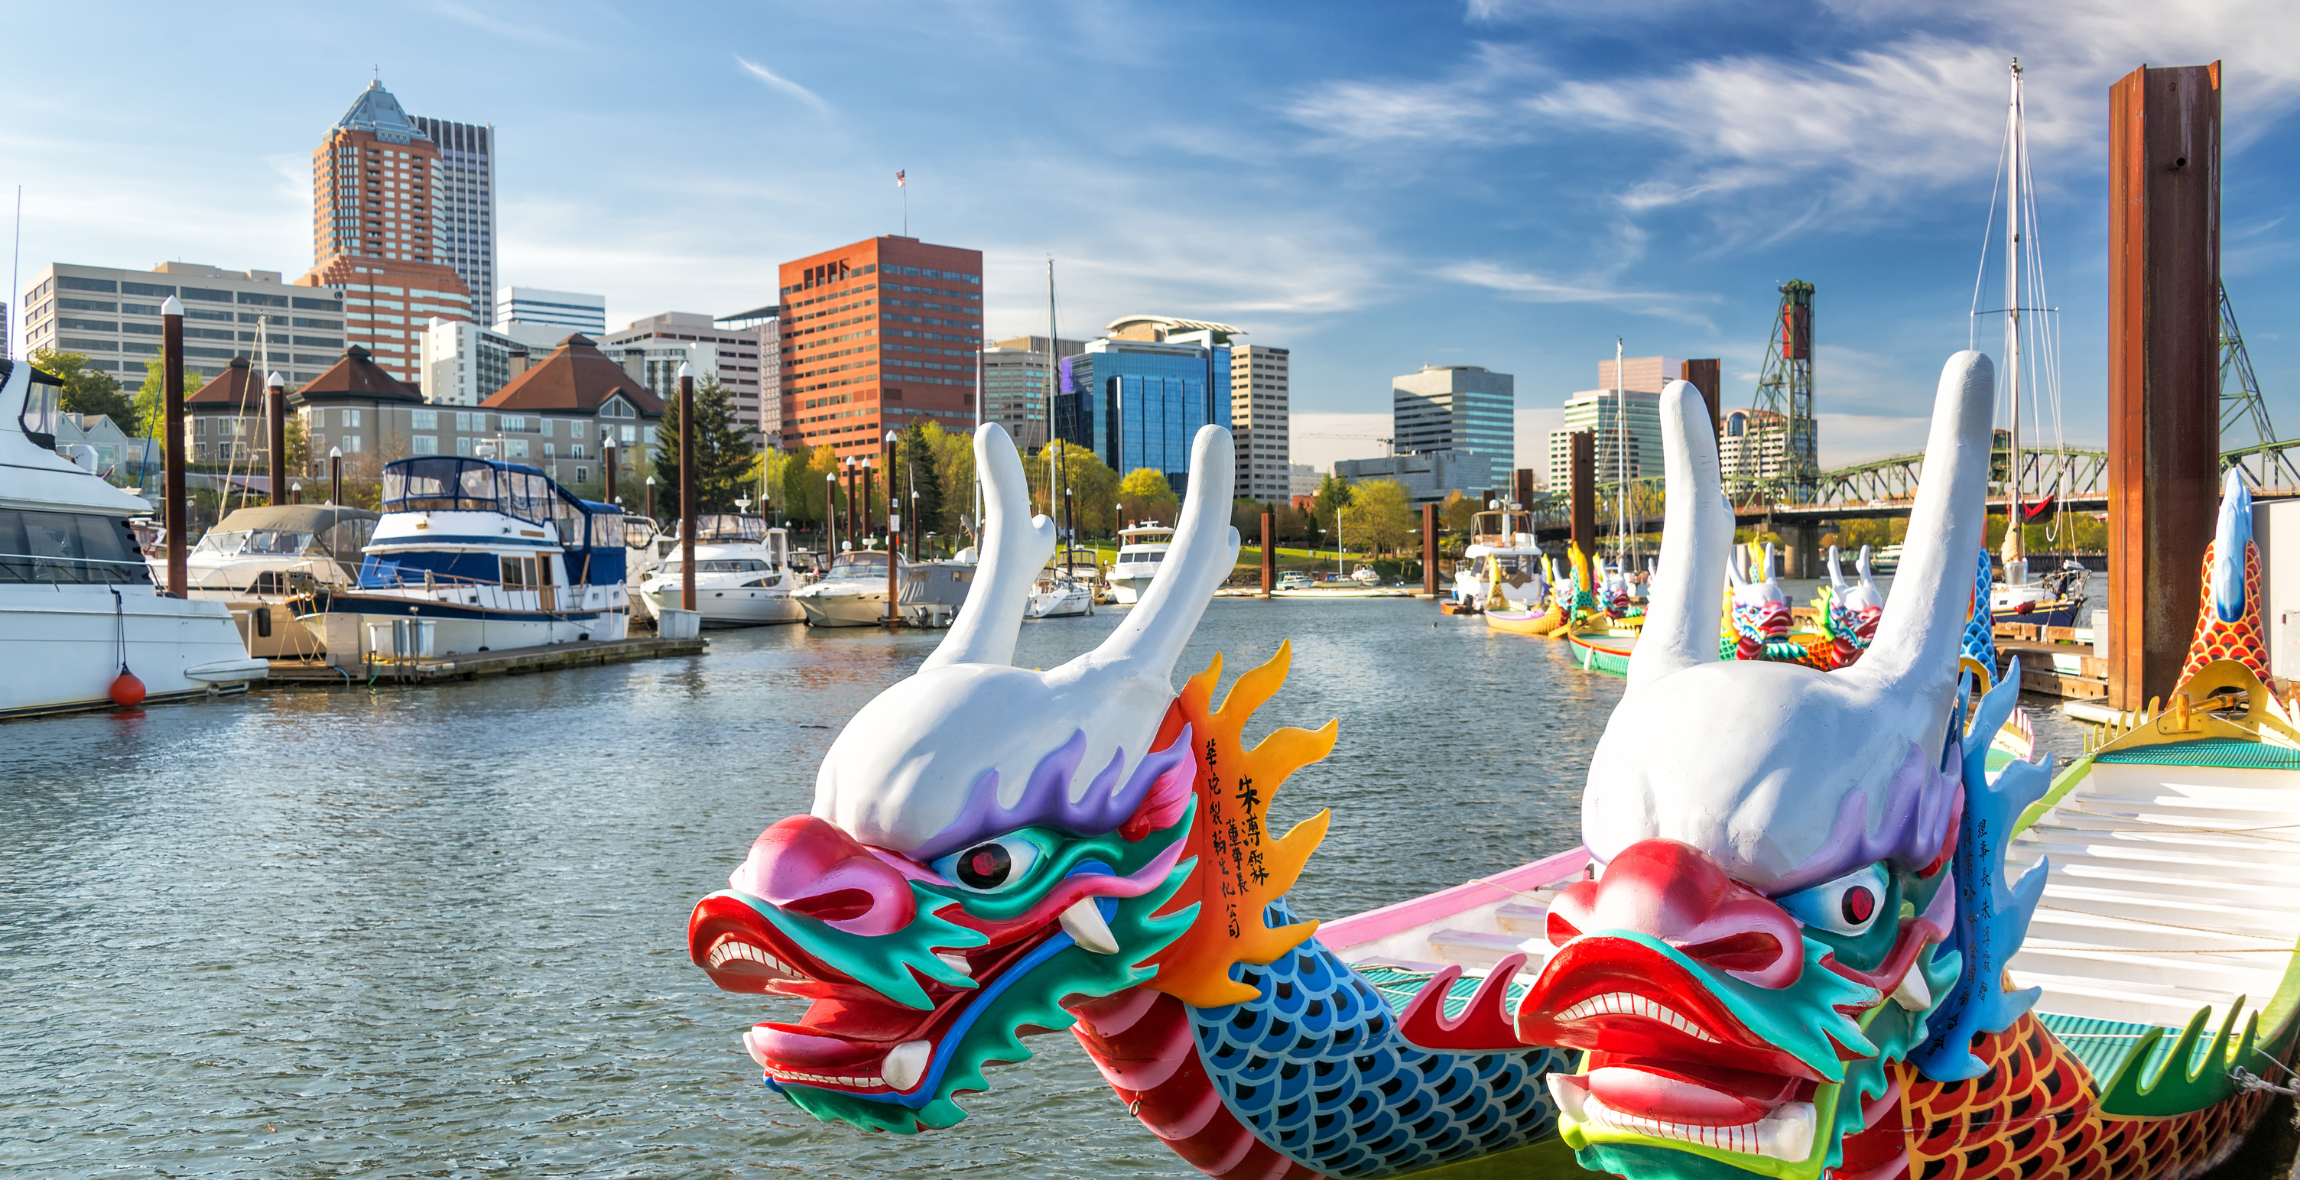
[{"x": 127, "y": 691}]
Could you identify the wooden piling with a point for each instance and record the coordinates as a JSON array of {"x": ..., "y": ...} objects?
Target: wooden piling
[
  {"x": 1430, "y": 551},
  {"x": 172, "y": 397},
  {"x": 686, "y": 489},
  {"x": 1269, "y": 556},
  {"x": 1584, "y": 491},
  {"x": 2163, "y": 367},
  {"x": 1704, "y": 375}
]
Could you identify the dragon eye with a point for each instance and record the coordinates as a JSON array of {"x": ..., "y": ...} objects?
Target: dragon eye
[
  {"x": 991, "y": 865},
  {"x": 1848, "y": 905}
]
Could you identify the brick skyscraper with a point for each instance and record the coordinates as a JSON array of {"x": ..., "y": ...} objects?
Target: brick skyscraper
[
  {"x": 877, "y": 335},
  {"x": 375, "y": 188}
]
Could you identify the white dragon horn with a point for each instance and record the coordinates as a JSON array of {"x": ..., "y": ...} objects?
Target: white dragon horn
[
  {"x": 1861, "y": 567},
  {"x": 1681, "y": 614},
  {"x": 1915, "y": 653},
  {"x": 1015, "y": 546},
  {"x": 1836, "y": 573},
  {"x": 1769, "y": 566},
  {"x": 1202, "y": 555}
]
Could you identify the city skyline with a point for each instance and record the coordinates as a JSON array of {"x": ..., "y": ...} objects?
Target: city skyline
[{"x": 1506, "y": 184}]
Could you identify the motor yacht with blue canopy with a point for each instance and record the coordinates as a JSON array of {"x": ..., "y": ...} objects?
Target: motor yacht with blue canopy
[{"x": 493, "y": 555}]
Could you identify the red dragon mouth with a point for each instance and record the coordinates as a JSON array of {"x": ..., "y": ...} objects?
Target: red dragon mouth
[
  {"x": 852, "y": 1038},
  {"x": 1667, "y": 1059}
]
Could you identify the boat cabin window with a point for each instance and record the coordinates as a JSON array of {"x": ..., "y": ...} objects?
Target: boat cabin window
[
  {"x": 450, "y": 484},
  {"x": 518, "y": 572},
  {"x": 255, "y": 543},
  {"x": 40, "y": 407},
  {"x": 348, "y": 536},
  {"x": 727, "y": 528},
  {"x": 76, "y": 547},
  {"x": 730, "y": 565},
  {"x": 857, "y": 566},
  {"x": 1134, "y": 555}
]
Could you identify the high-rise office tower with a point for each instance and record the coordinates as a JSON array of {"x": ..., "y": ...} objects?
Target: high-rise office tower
[
  {"x": 376, "y": 188},
  {"x": 1457, "y": 408},
  {"x": 465, "y": 224},
  {"x": 1016, "y": 383},
  {"x": 1258, "y": 411},
  {"x": 877, "y": 335},
  {"x": 1139, "y": 403}
]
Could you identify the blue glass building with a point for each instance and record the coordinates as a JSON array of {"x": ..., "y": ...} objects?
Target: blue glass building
[{"x": 1139, "y": 404}]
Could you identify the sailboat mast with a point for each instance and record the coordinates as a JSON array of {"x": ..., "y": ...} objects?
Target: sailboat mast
[
  {"x": 2017, "y": 147},
  {"x": 1054, "y": 446},
  {"x": 1620, "y": 458}
]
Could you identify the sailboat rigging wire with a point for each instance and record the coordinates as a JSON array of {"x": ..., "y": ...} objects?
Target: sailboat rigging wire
[{"x": 1988, "y": 230}]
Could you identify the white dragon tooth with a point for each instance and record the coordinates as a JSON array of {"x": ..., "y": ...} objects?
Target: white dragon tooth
[
  {"x": 1912, "y": 993},
  {"x": 957, "y": 963},
  {"x": 752, "y": 1047},
  {"x": 906, "y": 1063},
  {"x": 1568, "y": 1093},
  {"x": 1787, "y": 1133},
  {"x": 1083, "y": 922}
]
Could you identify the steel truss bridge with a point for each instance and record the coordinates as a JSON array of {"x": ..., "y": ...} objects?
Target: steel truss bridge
[{"x": 1881, "y": 488}]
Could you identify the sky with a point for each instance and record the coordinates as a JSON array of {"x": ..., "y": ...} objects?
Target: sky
[{"x": 1375, "y": 186}]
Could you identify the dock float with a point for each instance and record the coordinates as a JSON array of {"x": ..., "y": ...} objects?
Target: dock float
[{"x": 472, "y": 665}]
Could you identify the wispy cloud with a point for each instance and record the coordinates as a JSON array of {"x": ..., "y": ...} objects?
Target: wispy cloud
[
  {"x": 1535, "y": 287},
  {"x": 534, "y": 33},
  {"x": 776, "y": 81}
]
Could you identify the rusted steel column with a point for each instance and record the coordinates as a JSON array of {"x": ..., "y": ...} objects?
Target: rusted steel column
[
  {"x": 1269, "y": 555},
  {"x": 686, "y": 488},
  {"x": 2163, "y": 367},
  {"x": 1584, "y": 491},
  {"x": 275, "y": 406},
  {"x": 172, "y": 420},
  {"x": 1429, "y": 551},
  {"x": 1704, "y": 376}
]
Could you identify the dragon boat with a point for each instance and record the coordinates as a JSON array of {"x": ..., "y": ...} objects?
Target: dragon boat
[{"x": 1788, "y": 945}]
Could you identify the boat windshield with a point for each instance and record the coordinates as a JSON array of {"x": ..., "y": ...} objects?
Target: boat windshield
[
  {"x": 451, "y": 484},
  {"x": 254, "y": 542},
  {"x": 1133, "y": 554},
  {"x": 743, "y": 565},
  {"x": 727, "y": 528},
  {"x": 857, "y": 567}
]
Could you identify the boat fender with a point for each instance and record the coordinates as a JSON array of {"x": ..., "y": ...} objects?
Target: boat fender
[{"x": 127, "y": 690}]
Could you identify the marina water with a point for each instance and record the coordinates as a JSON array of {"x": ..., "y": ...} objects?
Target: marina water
[{"x": 441, "y": 932}]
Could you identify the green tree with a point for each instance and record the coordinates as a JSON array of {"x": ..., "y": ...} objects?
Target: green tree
[
  {"x": 1381, "y": 516},
  {"x": 1459, "y": 514},
  {"x": 954, "y": 470},
  {"x": 150, "y": 412},
  {"x": 86, "y": 390},
  {"x": 1333, "y": 496},
  {"x": 1145, "y": 495},
  {"x": 1092, "y": 486},
  {"x": 922, "y": 473},
  {"x": 722, "y": 453}
]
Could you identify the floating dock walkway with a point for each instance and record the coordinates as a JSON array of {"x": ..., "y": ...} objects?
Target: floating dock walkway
[{"x": 472, "y": 665}]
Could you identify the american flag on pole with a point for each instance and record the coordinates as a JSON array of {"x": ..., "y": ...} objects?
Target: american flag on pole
[{"x": 898, "y": 180}]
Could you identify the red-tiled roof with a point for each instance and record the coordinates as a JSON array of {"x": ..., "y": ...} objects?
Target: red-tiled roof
[
  {"x": 356, "y": 375},
  {"x": 238, "y": 387},
  {"x": 576, "y": 378}
]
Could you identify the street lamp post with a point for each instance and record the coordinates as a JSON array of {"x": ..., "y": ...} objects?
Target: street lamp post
[
  {"x": 830, "y": 515},
  {"x": 650, "y": 499},
  {"x": 295, "y": 493},
  {"x": 335, "y": 475},
  {"x": 893, "y": 532}
]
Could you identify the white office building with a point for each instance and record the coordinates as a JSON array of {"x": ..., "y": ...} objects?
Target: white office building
[
  {"x": 112, "y": 316},
  {"x": 566, "y": 311},
  {"x": 1259, "y": 385},
  {"x": 1458, "y": 408},
  {"x": 653, "y": 348},
  {"x": 464, "y": 364}
]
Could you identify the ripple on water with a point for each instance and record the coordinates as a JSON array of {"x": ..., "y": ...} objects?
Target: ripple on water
[{"x": 441, "y": 932}]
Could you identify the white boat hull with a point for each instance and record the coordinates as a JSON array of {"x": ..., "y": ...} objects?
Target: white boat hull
[
  {"x": 1126, "y": 589},
  {"x": 1061, "y": 604},
  {"x": 733, "y": 606},
  {"x": 63, "y": 643},
  {"x": 844, "y": 609},
  {"x": 462, "y": 636}
]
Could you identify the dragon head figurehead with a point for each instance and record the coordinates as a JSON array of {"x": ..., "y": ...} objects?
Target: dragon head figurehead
[
  {"x": 1850, "y": 612},
  {"x": 987, "y": 842},
  {"x": 1760, "y": 606},
  {"x": 1617, "y": 592},
  {"x": 1761, "y": 931}
]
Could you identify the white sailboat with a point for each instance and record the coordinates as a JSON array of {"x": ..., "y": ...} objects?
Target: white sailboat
[
  {"x": 1059, "y": 592},
  {"x": 2031, "y": 375},
  {"x": 79, "y": 615}
]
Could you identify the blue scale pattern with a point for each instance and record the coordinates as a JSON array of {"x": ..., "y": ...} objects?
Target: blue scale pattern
[
  {"x": 1980, "y": 639},
  {"x": 1316, "y": 1067}
]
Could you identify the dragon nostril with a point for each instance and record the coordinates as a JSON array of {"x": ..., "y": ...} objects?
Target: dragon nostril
[
  {"x": 1750, "y": 950},
  {"x": 839, "y": 905}
]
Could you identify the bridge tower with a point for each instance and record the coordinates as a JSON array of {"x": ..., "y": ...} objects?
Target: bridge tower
[
  {"x": 1785, "y": 387},
  {"x": 2241, "y": 404}
]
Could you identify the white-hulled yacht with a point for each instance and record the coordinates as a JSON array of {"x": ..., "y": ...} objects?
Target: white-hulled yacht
[
  {"x": 1140, "y": 550},
  {"x": 259, "y": 552},
  {"x": 743, "y": 574},
  {"x": 77, "y": 603},
  {"x": 852, "y": 593},
  {"x": 493, "y": 555}
]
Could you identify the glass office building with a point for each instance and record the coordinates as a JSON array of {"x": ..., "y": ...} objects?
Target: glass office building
[{"x": 1139, "y": 404}]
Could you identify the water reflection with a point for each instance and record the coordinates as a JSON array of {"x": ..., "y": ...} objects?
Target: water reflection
[{"x": 441, "y": 932}]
